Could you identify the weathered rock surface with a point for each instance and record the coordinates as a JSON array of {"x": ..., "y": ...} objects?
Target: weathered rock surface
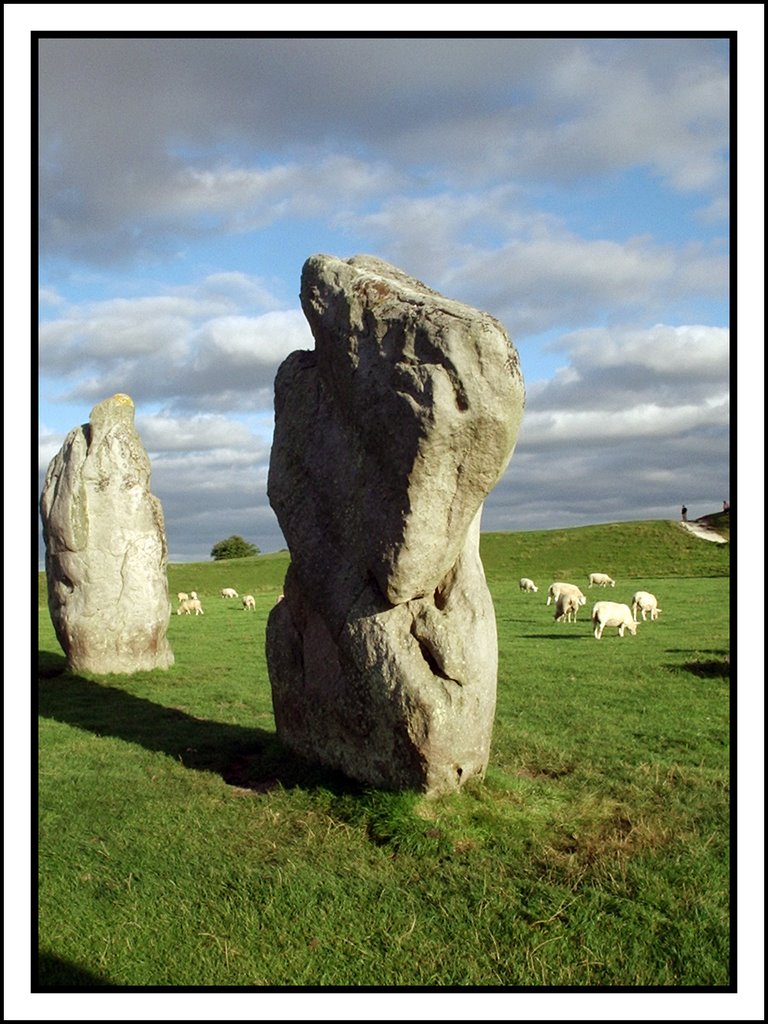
[
  {"x": 106, "y": 552},
  {"x": 388, "y": 438}
]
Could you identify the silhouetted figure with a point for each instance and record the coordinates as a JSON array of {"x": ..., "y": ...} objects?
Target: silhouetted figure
[
  {"x": 726, "y": 506},
  {"x": 684, "y": 514}
]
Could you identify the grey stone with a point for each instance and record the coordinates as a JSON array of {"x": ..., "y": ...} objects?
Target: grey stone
[
  {"x": 388, "y": 437},
  {"x": 106, "y": 552}
]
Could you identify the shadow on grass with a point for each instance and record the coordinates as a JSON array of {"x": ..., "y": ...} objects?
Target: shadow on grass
[
  {"x": 716, "y": 666},
  {"x": 57, "y": 975},
  {"x": 248, "y": 758}
]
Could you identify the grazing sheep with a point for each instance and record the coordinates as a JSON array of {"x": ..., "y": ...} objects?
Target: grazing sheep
[
  {"x": 567, "y": 607},
  {"x": 192, "y": 604},
  {"x": 249, "y": 601},
  {"x": 608, "y": 613},
  {"x": 602, "y": 579},
  {"x": 556, "y": 589},
  {"x": 644, "y": 602},
  {"x": 182, "y": 596},
  {"x": 228, "y": 592},
  {"x": 528, "y": 586}
]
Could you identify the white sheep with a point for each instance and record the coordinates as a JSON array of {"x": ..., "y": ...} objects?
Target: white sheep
[
  {"x": 567, "y": 607},
  {"x": 249, "y": 601},
  {"x": 645, "y": 603},
  {"x": 528, "y": 585},
  {"x": 608, "y": 613},
  {"x": 182, "y": 596},
  {"x": 601, "y": 579},
  {"x": 228, "y": 592},
  {"x": 192, "y": 604},
  {"x": 556, "y": 589}
]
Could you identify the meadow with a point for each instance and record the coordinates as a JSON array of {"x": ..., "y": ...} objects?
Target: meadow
[{"x": 181, "y": 845}]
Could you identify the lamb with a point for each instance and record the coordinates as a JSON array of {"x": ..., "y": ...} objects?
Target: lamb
[
  {"x": 644, "y": 602},
  {"x": 567, "y": 607},
  {"x": 608, "y": 613},
  {"x": 192, "y": 604},
  {"x": 602, "y": 579},
  {"x": 228, "y": 592},
  {"x": 249, "y": 601},
  {"x": 556, "y": 589},
  {"x": 182, "y": 596},
  {"x": 528, "y": 585}
]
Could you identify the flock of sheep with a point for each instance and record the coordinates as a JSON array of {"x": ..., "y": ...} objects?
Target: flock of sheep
[
  {"x": 568, "y": 599},
  {"x": 190, "y": 602}
]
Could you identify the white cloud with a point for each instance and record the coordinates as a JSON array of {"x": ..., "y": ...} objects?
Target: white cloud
[
  {"x": 692, "y": 351},
  {"x": 249, "y": 341},
  {"x": 646, "y": 420},
  {"x": 163, "y": 433},
  {"x": 315, "y": 126},
  {"x": 526, "y": 268},
  {"x": 192, "y": 351}
]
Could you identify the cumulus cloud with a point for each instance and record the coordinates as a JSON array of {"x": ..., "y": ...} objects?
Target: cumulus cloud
[
  {"x": 322, "y": 123},
  {"x": 631, "y": 106},
  {"x": 192, "y": 351},
  {"x": 610, "y": 370},
  {"x": 636, "y": 422},
  {"x": 163, "y": 433},
  {"x": 541, "y": 275}
]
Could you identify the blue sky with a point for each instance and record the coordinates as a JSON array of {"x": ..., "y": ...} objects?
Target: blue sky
[{"x": 576, "y": 188}]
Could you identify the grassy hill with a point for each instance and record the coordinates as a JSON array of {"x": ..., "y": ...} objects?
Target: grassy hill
[{"x": 630, "y": 550}]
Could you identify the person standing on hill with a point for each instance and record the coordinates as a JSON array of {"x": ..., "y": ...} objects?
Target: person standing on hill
[{"x": 684, "y": 514}]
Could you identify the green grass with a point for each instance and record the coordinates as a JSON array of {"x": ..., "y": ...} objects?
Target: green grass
[{"x": 181, "y": 845}]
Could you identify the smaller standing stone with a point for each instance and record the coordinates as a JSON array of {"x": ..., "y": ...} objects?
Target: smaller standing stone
[{"x": 106, "y": 552}]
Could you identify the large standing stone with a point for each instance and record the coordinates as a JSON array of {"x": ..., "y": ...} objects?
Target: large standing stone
[
  {"x": 388, "y": 437},
  {"x": 106, "y": 552}
]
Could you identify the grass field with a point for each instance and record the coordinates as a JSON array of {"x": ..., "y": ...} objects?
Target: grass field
[{"x": 181, "y": 845}]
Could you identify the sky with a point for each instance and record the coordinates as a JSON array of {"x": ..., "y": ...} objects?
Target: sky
[{"x": 578, "y": 189}]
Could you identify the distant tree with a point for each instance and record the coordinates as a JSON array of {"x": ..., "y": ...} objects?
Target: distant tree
[{"x": 232, "y": 547}]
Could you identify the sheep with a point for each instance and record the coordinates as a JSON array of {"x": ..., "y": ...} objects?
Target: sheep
[
  {"x": 228, "y": 592},
  {"x": 567, "y": 607},
  {"x": 528, "y": 585},
  {"x": 556, "y": 589},
  {"x": 249, "y": 601},
  {"x": 608, "y": 613},
  {"x": 644, "y": 602},
  {"x": 182, "y": 596},
  {"x": 602, "y": 579},
  {"x": 189, "y": 606}
]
